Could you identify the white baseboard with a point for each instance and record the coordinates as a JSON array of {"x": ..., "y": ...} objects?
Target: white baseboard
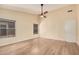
[{"x": 61, "y": 39}]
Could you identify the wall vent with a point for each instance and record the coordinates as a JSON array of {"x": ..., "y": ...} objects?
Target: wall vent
[{"x": 69, "y": 11}]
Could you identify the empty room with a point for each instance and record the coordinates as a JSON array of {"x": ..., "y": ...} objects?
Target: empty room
[{"x": 39, "y": 29}]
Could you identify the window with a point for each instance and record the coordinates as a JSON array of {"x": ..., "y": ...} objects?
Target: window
[
  {"x": 35, "y": 28},
  {"x": 7, "y": 28},
  {"x": 3, "y": 30},
  {"x": 11, "y": 28}
]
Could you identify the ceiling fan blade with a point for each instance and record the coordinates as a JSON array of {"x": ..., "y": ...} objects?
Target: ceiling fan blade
[
  {"x": 45, "y": 12},
  {"x": 44, "y": 16},
  {"x": 41, "y": 13}
]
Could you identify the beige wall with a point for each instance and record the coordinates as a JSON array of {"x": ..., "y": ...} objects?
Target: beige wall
[
  {"x": 77, "y": 11},
  {"x": 53, "y": 26},
  {"x": 24, "y": 23}
]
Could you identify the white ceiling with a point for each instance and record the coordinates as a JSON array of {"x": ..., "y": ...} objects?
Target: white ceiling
[{"x": 32, "y": 8}]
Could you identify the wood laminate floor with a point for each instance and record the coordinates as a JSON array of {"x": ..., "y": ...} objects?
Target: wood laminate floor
[{"x": 40, "y": 46}]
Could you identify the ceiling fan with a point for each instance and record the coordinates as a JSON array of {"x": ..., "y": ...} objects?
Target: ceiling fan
[{"x": 43, "y": 13}]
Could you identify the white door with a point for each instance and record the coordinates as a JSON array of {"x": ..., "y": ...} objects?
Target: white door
[{"x": 70, "y": 30}]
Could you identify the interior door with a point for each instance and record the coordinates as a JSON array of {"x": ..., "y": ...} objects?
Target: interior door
[{"x": 70, "y": 30}]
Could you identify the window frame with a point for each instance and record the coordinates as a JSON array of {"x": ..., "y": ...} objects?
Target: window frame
[
  {"x": 35, "y": 28},
  {"x": 6, "y": 22}
]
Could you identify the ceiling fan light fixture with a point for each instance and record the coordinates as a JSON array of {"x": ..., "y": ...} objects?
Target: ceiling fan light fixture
[{"x": 41, "y": 16}]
